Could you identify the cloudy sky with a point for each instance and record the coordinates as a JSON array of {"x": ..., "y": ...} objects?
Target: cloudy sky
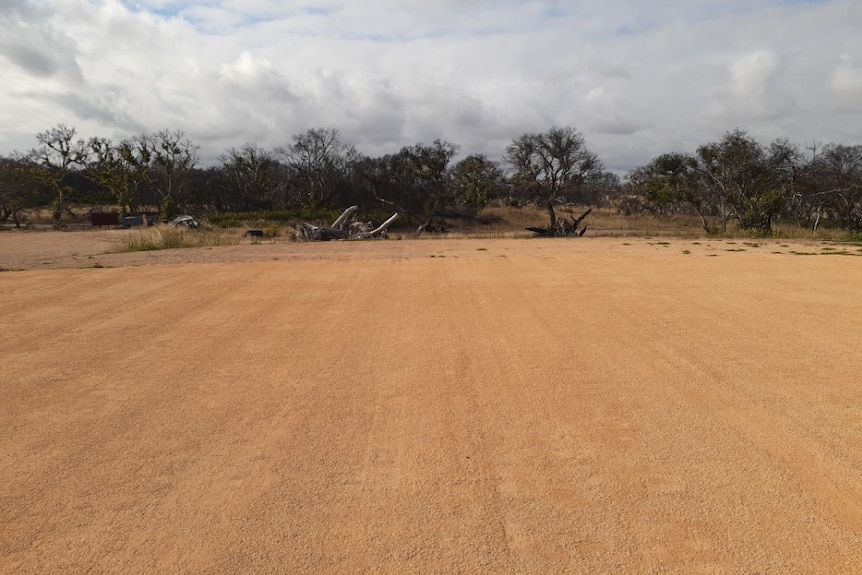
[{"x": 638, "y": 78}]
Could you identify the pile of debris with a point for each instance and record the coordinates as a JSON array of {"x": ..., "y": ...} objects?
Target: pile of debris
[
  {"x": 562, "y": 227},
  {"x": 184, "y": 221},
  {"x": 346, "y": 228}
]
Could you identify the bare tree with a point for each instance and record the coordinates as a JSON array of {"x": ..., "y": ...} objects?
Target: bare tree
[
  {"x": 122, "y": 169},
  {"x": 18, "y": 188},
  {"x": 549, "y": 164},
  {"x": 838, "y": 184},
  {"x": 252, "y": 175},
  {"x": 321, "y": 163},
  {"x": 57, "y": 154},
  {"x": 172, "y": 157}
]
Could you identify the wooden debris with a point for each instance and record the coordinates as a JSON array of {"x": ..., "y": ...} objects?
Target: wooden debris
[
  {"x": 562, "y": 227},
  {"x": 343, "y": 228}
]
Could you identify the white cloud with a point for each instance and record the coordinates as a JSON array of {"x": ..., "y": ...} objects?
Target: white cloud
[
  {"x": 637, "y": 78},
  {"x": 754, "y": 92},
  {"x": 847, "y": 76},
  {"x": 752, "y": 74}
]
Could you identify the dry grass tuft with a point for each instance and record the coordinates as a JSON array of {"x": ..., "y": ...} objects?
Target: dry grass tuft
[{"x": 169, "y": 238}]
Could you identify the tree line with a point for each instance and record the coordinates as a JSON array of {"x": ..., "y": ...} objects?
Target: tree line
[
  {"x": 733, "y": 180},
  {"x": 738, "y": 179}
]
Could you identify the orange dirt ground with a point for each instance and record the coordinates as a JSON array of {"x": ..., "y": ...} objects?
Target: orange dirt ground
[{"x": 600, "y": 405}]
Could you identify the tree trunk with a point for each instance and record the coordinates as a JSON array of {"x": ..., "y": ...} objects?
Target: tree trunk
[
  {"x": 552, "y": 228},
  {"x": 59, "y": 205}
]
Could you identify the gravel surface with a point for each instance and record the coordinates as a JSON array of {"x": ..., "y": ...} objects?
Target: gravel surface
[{"x": 601, "y": 405}]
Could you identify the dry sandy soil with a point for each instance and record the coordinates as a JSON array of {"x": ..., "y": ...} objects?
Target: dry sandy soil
[{"x": 601, "y": 405}]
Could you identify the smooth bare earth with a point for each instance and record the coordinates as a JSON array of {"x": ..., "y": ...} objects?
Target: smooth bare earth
[{"x": 599, "y": 405}]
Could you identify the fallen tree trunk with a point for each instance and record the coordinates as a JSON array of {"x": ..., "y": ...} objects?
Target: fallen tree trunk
[
  {"x": 342, "y": 229},
  {"x": 342, "y": 219},
  {"x": 382, "y": 227},
  {"x": 318, "y": 234}
]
